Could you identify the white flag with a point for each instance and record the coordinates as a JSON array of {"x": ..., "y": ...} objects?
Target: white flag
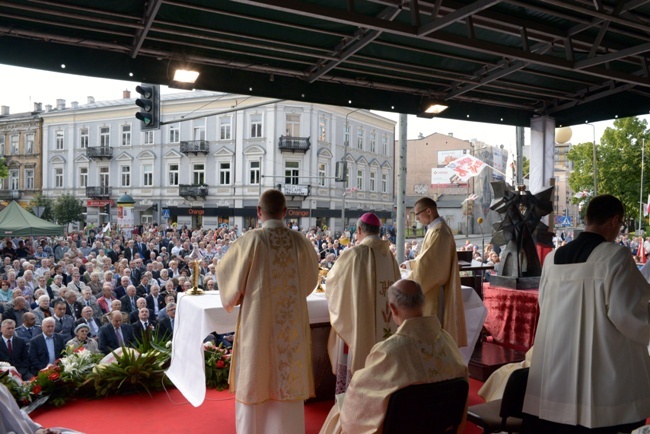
[
  {"x": 107, "y": 227},
  {"x": 466, "y": 166}
]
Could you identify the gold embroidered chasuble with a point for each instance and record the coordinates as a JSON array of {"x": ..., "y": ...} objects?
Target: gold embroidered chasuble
[
  {"x": 358, "y": 303},
  {"x": 270, "y": 272},
  {"x": 419, "y": 352},
  {"x": 436, "y": 267}
]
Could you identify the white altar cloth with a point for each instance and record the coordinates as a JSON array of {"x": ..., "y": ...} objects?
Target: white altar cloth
[{"x": 197, "y": 317}]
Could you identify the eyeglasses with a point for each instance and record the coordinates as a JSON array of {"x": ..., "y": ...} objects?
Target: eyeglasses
[{"x": 420, "y": 212}]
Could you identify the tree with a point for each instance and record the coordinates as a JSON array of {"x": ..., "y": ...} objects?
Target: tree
[
  {"x": 618, "y": 163},
  {"x": 4, "y": 171},
  {"x": 46, "y": 203},
  {"x": 525, "y": 167},
  {"x": 67, "y": 209}
]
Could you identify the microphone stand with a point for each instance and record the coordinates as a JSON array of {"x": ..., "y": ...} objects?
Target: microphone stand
[{"x": 482, "y": 240}]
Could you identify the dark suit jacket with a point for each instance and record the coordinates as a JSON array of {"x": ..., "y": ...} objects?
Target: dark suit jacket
[
  {"x": 126, "y": 303},
  {"x": 150, "y": 304},
  {"x": 133, "y": 317},
  {"x": 108, "y": 338},
  {"x": 38, "y": 356},
  {"x": 119, "y": 291},
  {"x": 142, "y": 291},
  {"x": 65, "y": 327},
  {"x": 128, "y": 254},
  {"x": 93, "y": 319},
  {"x": 138, "y": 330},
  {"x": 76, "y": 307},
  {"x": 19, "y": 357},
  {"x": 165, "y": 328}
]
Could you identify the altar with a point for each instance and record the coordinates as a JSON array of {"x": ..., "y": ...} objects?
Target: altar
[{"x": 198, "y": 316}]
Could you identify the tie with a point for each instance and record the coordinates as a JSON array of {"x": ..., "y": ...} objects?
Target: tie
[
  {"x": 132, "y": 303},
  {"x": 146, "y": 324},
  {"x": 9, "y": 347},
  {"x": 172, "y": 323},
  {"x": 120, "y": 339},
  {"x": 87, "y": 303}
]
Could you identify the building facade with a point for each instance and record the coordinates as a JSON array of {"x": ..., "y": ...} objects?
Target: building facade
[
  {"x": 20, "y": 142},
  {"x": 215, "y": 154}
]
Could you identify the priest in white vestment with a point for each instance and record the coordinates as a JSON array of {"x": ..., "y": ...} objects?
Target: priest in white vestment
[
  {"x": 436, "y": 269},
  {"x": 270, "y": 272},
  {"x": 590, "y": 371},
  {"x": 419, "y": 352},
  {"x": 357, "y": 299}
]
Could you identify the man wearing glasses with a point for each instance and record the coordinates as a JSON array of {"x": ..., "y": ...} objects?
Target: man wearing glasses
[{"x": 435, "y": 268}]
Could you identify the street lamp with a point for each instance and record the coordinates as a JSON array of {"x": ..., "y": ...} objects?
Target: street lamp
[{"x": 594, "y": 155}]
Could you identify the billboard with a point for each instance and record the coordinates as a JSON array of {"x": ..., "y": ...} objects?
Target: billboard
[
  {"x": 446, "y": 157},
  {"x": 445, "y": 177}
]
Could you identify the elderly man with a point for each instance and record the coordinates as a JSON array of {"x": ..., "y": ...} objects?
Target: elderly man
[
  {"x": 358, "y": 301},
  {"x": 128, "y": 301},
  {"x": 142, "y": 327},
  {"x": 166, "y": 325},
  {"x": 419, "y": 352},
  {"x": 17, "y": 310},
  {"x": 87, "y": 317},
  {"x": 73, "y": 307},
  {"x": 64, "y": 324},
  {"x": 590, "y": 371},
  {"x": 120, "y": 291},
  {"x": 133, "y": 316},
  {"x": 115, "y": 334},
  {"x": 88, "y": 300},
  {"x": 115, "y": 305},
  {"x": 28, "y": 329},
  {"x": 107, "y": 298},
  {"x": 155, "y": 300},
  {"x": 45, "y": 348},
  {"x": 270, "y": 272},
  {"x": 13, "y": 349},
  {"x": 436, "y": 269}
]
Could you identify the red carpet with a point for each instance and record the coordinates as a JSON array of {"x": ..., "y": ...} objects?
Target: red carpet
[{"x": 163, "y": 414}]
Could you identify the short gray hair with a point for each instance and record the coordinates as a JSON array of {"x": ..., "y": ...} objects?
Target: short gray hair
[{"x": 407, "y": 298}]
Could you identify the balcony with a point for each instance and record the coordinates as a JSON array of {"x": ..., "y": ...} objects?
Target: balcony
[
  {"x": 10, "y": 194},
  {"x": 98, "y": 192},
  {"x": 194, "y": 191},
  {"x": 195, "y": 147},
  {"x": 99, "y": 152},
  {"x": 293, "y": 144}
]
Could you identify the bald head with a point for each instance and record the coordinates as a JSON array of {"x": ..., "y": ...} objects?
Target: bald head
[
  {"x": 406, "y": 300},
  {"x": 272, "y": 205}
]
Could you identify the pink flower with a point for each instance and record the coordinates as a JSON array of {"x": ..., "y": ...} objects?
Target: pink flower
[
  {"x": 37, "y": 389},
  {"x": 220, "y": 364},
  {"x": 54, "y": 376}
]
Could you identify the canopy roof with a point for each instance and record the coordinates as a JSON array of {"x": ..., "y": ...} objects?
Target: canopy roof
[
  {"x": 489, "y": 60},
  {"x": 15, "y": 221}
]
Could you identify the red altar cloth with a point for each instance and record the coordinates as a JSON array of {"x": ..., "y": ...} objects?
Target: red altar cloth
[{"x": 512, "y": 315}]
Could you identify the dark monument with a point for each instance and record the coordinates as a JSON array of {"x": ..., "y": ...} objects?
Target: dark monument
[{"x": 520, "y": 230}]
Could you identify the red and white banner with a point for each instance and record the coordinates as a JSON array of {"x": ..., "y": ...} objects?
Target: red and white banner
[{"x": 466, "y": 167}]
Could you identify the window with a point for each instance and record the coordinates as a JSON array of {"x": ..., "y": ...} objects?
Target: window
[
  {"x": 13, "y": 179},
  {"x": 254, "y": 172},
  {"x": 29, "y": 179},
  {"x": 59, "y": 140},
  {"x": 148, "y": 137},
  {"x": 29, "y": 144},
  {"x": 322, "y": 129},
  {"x": 360, "y": 179},
  {"x": 291, "y": 172},
  {"x": 147, "y": 171},
  {"x": 83, "y": 137},
  {"x": 224, "y": 173},
  {"x": 346, "y": 135},
  {"x": 126, "y": 135},
  {"x": 384, "y": 183},
  {"x": 384, "y": 144},
  {"x": 104, "y": 179},
  {"x": 104, "y": 137},
  {"x": 322, "y": 174},
  {"x": 199, "y": 133},
  {"x": 198, "y": 174},
  {"x": 293, "y": 125},
  {"x": 125, "y": 172},
  {"x": 373, "y": 142},
  {"x": 174, "y": 133},
  {"x": 373, "y": 181},
  {"x": 14, "y": 145},
  {"x": 360, "y": 138},
  {"x": 58, "y": 177},
  {"x": 2, "y": 143},
  {"x": 173, "y": 174},
  {"x": 256, "y": 125},
  {"x": 83, "y": 177},
  {"x": 225, "y": 128}
]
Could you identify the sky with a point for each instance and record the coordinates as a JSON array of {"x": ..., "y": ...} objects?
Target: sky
[{"x": 20, "y": 88}]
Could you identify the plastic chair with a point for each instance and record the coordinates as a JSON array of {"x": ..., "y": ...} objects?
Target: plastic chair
[
  {"x": 503, "y": 414},
  {"x": 432, "y": 408}
]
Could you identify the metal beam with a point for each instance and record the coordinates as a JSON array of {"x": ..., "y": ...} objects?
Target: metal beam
[
  {"x": 604, "y": 58},
  {"x": 149, "y": 16},
  {"x": 457, "y": 15}
]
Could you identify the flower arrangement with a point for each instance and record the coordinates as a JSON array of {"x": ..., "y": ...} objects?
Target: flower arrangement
[{"x": 217, "y": 365}]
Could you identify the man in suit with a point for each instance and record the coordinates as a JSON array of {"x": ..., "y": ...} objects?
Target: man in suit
[
  {"x": 88, "y": 300},
  {"x": 166, "y": 325},
  {"x": 142, "y": 326},
  {"x": 115, "y": 334},
  {"x": 28, "y": 329},
  {"x": 128, "y": 301},
  {"x": 64, "y": 324},
  {"x": 73, "y": 307},
  {"x": 142, "y": 289},
  {"x": 130, "y": 251},
  {"x": 120, "y": 291},
  {"x": 46, "y": 348},
  {"x": 16, "y": 311},
  {"x": 135, "y": 315},
  {"x": 155, "y": 300},
  {"x": 87, "y": 318},
  {"x": 13, "y": 349},
  {"x": 107, "y": 298}
]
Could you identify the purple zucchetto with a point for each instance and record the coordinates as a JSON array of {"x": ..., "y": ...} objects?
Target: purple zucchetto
[{"x": 371, "y": 219}]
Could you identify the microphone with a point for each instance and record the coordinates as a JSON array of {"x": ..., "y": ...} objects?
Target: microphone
[{"x": 480, "y": 221}]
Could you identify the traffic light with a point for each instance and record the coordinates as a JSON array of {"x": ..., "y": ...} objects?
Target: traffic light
[
  {"x": 107, "y": 209},
  {"x": 149, "y": 104}
]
